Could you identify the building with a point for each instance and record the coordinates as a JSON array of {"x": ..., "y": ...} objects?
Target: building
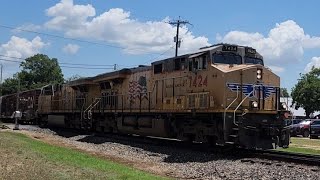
[{"x": 299, "y": 113}]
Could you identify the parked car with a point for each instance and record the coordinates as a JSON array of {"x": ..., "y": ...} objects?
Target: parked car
[
  {"x": 293, "y": 123},
  {"x": 296, "y": 121},
  {"x": 303, "y": 128},
  {"x": 315, "y": 129}
]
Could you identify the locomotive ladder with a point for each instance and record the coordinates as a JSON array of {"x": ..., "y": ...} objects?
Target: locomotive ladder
[
  {"x": 225, "y": 113},
  {"x": 235, "y": 129}
]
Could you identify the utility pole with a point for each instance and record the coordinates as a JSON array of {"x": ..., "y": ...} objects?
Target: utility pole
[{"x": 176, "y": 38}]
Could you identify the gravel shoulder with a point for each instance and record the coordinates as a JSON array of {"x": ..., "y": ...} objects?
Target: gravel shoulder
[{"x": 174, "y": 162}]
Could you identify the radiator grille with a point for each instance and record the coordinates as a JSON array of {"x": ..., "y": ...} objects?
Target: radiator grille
[
  {"x": 192, "y": 101},
  {"x": 203, "y": 100}
]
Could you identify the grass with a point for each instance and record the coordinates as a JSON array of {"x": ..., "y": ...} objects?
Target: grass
[
  {"x": 303, "y": 145},
  {"x": 37, "y": 160}
]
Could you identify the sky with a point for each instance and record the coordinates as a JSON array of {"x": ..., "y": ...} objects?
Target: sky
[{"x": 89, "y": 36}]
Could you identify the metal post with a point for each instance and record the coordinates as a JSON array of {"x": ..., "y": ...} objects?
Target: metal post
[
  {"x": 1, "y": 79},
  {"x": 16, "y": 123},
  {"x": 1, "y": 91}
]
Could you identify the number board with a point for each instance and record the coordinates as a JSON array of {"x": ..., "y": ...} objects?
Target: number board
[
  {"x": 250, "y": 51},
  {"x": 229, "y": 48}
]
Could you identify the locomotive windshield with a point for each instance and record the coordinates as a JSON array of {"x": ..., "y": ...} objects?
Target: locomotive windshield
[
  {"x": 227, "y": 58},
  {"x": 251, "y": 60}
]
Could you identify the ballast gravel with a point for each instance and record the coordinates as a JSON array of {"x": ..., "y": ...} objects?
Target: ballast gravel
[{"x": 175, "y": 162}]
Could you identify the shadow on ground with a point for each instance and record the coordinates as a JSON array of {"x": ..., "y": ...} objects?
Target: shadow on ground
[{"x": 173, "y": 151}]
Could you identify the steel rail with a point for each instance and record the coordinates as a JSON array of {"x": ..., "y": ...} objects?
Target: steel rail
[{"x": 300, "y": 158}]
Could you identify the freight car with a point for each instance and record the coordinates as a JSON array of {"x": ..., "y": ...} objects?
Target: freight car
[
  {"x": 222, "y": 94},
  {"x": 27, "y": 102}
]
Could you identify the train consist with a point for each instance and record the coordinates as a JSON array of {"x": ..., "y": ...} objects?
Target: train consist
[{"x": 222, "y": 94}]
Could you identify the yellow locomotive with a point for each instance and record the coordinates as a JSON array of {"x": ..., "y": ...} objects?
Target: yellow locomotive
[{"x": 221, "y": 94}]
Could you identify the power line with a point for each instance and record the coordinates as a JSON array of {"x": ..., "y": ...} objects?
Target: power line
[
  {"x": 113, "y": 66},
  {"x": 159, "y": 55},
  {"x": 74, "y": 67},
  {"x": 73, "y": 39},
  {"x": 60, "y": 37},
  {"x": 77, "y": 64},
  {"x": 176, "y": 38}
]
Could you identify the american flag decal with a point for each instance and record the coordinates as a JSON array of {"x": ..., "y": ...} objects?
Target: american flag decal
[
  {"x": 253, "y": 89},
  {"x": 137, "y": 89}
]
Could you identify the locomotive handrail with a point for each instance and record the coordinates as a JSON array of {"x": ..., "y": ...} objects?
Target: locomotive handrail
[
  {"x": 84, "y": 102},
  {"x": 225, "y": 112},
  {"x": 93, "y": 104},
  {"x": 234, "y": 112},
  {"x": 89, "y": 108}
]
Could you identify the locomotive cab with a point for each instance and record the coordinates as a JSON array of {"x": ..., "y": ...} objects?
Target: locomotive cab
[
  {"x": 226, "y": 91},
  {"x": 252, "y": 110}
]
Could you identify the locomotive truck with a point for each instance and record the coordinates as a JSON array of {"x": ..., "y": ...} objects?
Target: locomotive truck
[{"x": 221, "y": 94}]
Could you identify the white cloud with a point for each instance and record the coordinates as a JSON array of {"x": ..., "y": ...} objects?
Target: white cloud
[
  {"x": 115, "y": 26},
  {"x": 21, "y": 47},
  {"x": 71, "y": 48},
  {"x": 277, "y": 69},
  {"x": 285, "y": 43},
  {"x": 28, "y": 27},
  {"x": 66, "y": 15},
  {"x": 315, "y": 62}
]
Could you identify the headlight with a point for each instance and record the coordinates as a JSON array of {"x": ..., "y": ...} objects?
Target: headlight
[
  {"x": 254, "y": 104},
  {"x": 284, "y": 105},
  {"x": 259, "y": 74}
]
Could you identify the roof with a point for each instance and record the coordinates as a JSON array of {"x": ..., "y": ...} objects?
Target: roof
[
  {"x": 108, "y": 76},
  {"x": 203, "y": 50},
  {"x": 121, "y": 73},
  {"x": 80, "y": 81}
]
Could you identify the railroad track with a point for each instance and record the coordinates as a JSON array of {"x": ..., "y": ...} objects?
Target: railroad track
[
  {"x": 298, "y": 158},
  {"x": 307, "y": 159},
  {"x": 228, "y": 152}
]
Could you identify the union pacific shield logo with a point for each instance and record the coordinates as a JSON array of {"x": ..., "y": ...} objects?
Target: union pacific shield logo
[{"x": 252, "y": 90}]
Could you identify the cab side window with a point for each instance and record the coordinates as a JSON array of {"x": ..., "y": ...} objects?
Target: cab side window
[
  {"x": 198, "y": 63},
  {"x": 179, "y": 64},
  {"x": 157, "y": 69}
]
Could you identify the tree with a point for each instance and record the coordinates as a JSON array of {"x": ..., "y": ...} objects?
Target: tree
[
  {"x": 284, "y": 92},
  {"x": 306, "y": 93},
  {"x": 10, "y": 85},
  {"x": 40, "y": 70},
  {"x": 37, "y": 71}
]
